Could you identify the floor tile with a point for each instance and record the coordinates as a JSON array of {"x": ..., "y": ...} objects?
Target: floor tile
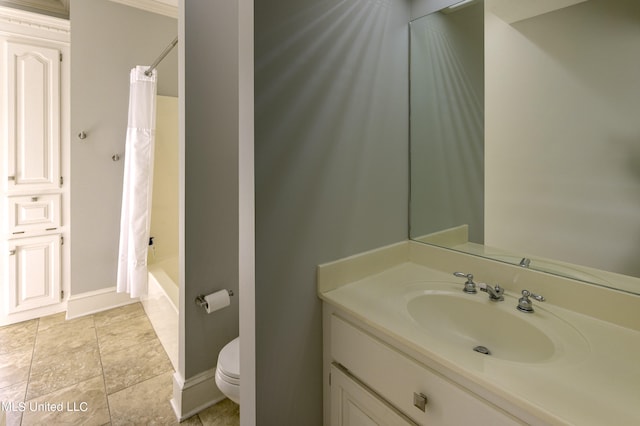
[
  {"x": 121, "y": 313},
  {"x": 13, "y": 395},
  {"x": 62, "y": 370},
  {"x": 224, "y": 413},
  {"x": 18, "y": 335},
  {"x": 125, "y": 334},
  {"x": 66, "y": 406},
  {"x": 133, "y": 365},
  {"x": 61, "y": 319},
  {"x": 65, "y": 337},
  {"x": 144, "y": 403},
  {"x": 60, "y": 324},
  {"x": 51, "y": 360},
  {"x": 191, "y": 421},
  {"x": 14, "y": 366}
]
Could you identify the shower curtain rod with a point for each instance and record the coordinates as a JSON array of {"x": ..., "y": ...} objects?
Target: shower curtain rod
[{"x": 164, "y": 53}]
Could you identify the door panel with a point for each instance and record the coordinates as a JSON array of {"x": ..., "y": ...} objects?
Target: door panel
[
  {"x": 34, "y": 272},
  {"x": 33, "y": 117}
]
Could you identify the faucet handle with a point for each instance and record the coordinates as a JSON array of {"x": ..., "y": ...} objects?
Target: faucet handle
[
  {"x": 525, "y": 304},
  {"x": 464, "y": 275},
  {"x": 469, "y": 286}
]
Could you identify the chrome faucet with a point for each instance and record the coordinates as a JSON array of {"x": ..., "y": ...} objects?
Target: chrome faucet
[
  {"x": 496, "y": 294},
  {"x": 525, "y": 304},
  {"x": 469, "y": 286},
  {"x": 525, "y": 262}
]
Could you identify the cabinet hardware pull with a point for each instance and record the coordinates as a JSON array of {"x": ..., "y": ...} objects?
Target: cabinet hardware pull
[
  {"x": 11, "y": 178},
  {"x": 420, "y": 401},
  {"x": 12, "y": 252},
  {"x": 34, "y": 199}
]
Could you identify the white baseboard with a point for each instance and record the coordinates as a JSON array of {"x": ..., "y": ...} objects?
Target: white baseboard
[
  {"x": 91, "y": 302},
  {"x": 77, "y": 305},
  {"x": 32, "y": 314},
  {"x": 195, "y": 394}
]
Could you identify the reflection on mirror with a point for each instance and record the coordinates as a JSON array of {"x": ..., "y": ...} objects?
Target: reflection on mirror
[
  {"x": 547, "y": 174},
  {"x": 447, "y": 121}
]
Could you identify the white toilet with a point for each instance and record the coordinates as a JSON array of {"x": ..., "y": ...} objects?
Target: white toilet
[{"x": 228, "y": 370}]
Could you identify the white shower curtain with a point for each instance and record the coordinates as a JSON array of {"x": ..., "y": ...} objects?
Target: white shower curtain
[{"x": 135, "y": 219}]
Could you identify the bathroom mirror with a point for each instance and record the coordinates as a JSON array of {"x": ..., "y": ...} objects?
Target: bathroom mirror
[{"x": 538, "y": 159}]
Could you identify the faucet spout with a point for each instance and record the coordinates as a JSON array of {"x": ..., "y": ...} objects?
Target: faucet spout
[
  {"x": 496, "y": 293},
  {"x": 525, "y": 262}
]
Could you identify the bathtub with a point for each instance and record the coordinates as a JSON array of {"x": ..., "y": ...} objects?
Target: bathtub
[{"x": 161, "y": 304}]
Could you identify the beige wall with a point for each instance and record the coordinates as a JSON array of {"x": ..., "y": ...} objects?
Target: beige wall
[
  {"x": 164, "y": 211},
  {"x": 563, "y": 134}
]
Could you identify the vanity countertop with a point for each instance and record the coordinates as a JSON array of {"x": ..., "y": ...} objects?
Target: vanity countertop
[{"x": 594, "y": 380}]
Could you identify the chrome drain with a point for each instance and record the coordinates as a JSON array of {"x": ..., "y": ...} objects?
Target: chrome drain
[{"x": 482, "y": 349}]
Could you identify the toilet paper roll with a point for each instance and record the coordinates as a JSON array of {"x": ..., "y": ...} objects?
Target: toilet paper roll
[{"x": 218, "y": 300}]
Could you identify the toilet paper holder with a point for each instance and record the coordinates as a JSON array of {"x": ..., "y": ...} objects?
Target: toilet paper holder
[{"x": 200, "y": 300}]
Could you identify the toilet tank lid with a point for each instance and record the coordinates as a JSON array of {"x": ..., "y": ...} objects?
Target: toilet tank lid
[{"x": 229, "y": 359}]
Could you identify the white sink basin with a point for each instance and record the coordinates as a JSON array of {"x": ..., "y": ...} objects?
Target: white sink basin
[{"x": 471, "y": 322}]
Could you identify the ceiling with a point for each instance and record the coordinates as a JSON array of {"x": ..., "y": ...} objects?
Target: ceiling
[
  {"x": 60, "y": 8},
  {"x": 162, "y": 7}
]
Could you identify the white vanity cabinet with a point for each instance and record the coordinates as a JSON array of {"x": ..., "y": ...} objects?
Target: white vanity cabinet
[
  {"x": 373, "y": 383},
  {"x": 354, "y": 404},
  {"x": 395, "y": 349},
  {"x": 34, "y": 197}
]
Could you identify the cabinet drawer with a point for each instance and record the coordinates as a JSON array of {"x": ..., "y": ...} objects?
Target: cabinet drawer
[
  {"x": 396, "y": 378},
  {"x": 352, "y": 404},
  {"x": 33, "y": 213}
]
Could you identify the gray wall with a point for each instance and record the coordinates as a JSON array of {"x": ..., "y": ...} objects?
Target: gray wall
[
  {"x": 211, "y": 126},
  {"x": 424, "y": 7},
  {"x": 331, "y": 173},
  {"x": 107, "y": 40}
]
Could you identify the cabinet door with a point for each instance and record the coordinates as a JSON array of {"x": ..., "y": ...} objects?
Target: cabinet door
[
  {"x": 352, "y": 404},
  {"x": 34, "y": 272},
  {"x": 32, "y": 117}
]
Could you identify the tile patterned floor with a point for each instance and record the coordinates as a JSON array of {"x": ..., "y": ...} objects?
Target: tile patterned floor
[{"x": 104, "y": 369}]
